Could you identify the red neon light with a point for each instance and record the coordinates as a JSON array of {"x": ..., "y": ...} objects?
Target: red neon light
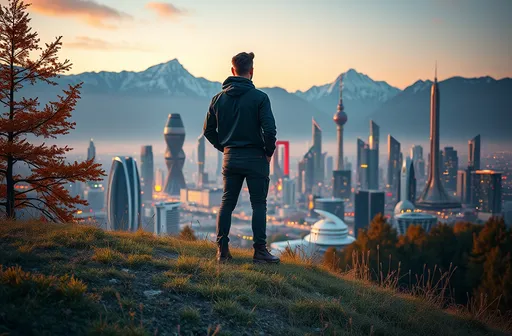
[{"x": 286, "y": 145}]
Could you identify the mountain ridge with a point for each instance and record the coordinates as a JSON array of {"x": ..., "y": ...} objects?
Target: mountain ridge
[{"x": 112, "y": 100}]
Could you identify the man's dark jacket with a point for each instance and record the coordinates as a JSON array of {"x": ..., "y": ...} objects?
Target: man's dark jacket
[{"x": 240, "y": 116}]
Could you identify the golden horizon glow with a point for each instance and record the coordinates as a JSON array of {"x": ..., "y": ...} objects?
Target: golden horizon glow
[{"x": 297, "y": 44}]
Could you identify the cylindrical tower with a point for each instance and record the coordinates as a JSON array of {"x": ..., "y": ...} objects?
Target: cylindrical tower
[
  {"x": 340, "y": 118},
  {"x": 174, "y": 134}
]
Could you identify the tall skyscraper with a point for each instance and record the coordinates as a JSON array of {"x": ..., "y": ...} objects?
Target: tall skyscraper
[
  {"x": 474, "y": 153},
  {"x": 174, "y": 134},
  {"x": 202, "y": 176},
  {"x": 319, "y": 157},
  {"x": 373, "y": 156},
  {"x": 464, "y": 182},
  {"x": 91, "y": 151},
  {"x": 368, "y": 203},
  {"x": 306, "y": 170},
  {"x": 146, "y": 172},
  {"x": 123, "y": 195},
  {"x": 288, "y": 191},
  {"x": 418, "y": 160},
  {"x": 488, "y": 191},
  {"x": 394, "y": 166},
  {"x": 407, "y": 181},
  {"x": 434, "y": 196},
  {"x": 311, "y": 167},
  {"x": 450, "y": 168},
  {"x": 362, "y": 164}
]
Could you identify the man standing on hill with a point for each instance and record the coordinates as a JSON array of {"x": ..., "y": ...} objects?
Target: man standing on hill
[{"x": 240, "y": 123}]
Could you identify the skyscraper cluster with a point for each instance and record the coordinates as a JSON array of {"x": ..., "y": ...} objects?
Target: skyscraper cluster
[{"x": 478, "y": 188}]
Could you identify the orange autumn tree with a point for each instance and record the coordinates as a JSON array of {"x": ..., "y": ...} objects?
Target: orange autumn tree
[{"x": 23, "y": 119}]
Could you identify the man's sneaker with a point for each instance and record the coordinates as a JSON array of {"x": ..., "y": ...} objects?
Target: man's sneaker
[
  {"x": 263, "y": 256},
  {"x": 223, "y": 254}
]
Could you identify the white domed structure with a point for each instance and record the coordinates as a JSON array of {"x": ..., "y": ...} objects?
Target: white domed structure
[
  {"x": 330, "y": 231},
  {"x": 403, "y": 207}
]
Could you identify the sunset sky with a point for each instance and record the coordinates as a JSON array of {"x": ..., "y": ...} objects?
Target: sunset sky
[{"x": 298, "y": 43}]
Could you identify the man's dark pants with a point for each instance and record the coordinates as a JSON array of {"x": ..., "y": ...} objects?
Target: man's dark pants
[{"x": 250, "y": 164}]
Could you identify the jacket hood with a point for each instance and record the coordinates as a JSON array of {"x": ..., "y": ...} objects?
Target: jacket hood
[{"x": 237, "y": 86}]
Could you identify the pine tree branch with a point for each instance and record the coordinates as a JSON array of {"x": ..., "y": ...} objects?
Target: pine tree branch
[
  {"x": 44, "y": 121},
  {"x": 52, "y": 49}
]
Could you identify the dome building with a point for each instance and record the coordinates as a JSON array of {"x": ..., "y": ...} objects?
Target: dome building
[
  {"x": 405, "y": 215},
  {"x": 403, "y": 206},
  {"x": 406, "y": 219},
  {"x": 330, "y": 231}
]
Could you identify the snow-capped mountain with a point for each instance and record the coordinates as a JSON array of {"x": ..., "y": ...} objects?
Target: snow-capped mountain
[
  {"x": 361, "y": 97},
  {"x": 356, "y": 86},
  {"x": 419, "y": 86},
  {"x": 169, "y": 78},
  {"x": 138, "y": 103}
]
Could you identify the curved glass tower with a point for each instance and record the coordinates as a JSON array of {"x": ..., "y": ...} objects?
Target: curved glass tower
[{"x": 123, "y": 197}]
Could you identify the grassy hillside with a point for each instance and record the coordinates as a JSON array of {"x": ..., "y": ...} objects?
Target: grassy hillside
[{"x": 74, "y": 280}]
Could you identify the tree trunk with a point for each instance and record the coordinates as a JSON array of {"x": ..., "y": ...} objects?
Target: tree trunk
[{"x": 10, "y": 160}]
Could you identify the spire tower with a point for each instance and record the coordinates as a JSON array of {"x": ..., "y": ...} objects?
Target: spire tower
[{"x": 434, "y": 196}]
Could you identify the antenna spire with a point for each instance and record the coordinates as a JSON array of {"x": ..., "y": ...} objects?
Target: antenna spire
[
  {"x": 340, "y": 102},
  {"x": 435, "y": 76}
]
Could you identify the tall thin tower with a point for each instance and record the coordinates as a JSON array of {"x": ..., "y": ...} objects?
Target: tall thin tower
[
  {"x": 373, "y": 156},
  {"x": 147, "y": 172},
  {"x": 434, "y": 196},
  {"x": 394, "y": 166},
  {"x": 317, "y": 153},
  {"x": 340, "y": 119},
  {"x": 341, "y": 178},
  {"x": 474, "y": 152},
  {"x": 91, "y": 151},
  {"x": 201, "y": 158}
]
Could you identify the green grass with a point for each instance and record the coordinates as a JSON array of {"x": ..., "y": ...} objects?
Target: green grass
[{"x": 80, "y": 280}]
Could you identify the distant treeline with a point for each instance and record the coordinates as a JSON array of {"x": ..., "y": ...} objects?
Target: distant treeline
[{"x": 467, "y": 263}]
